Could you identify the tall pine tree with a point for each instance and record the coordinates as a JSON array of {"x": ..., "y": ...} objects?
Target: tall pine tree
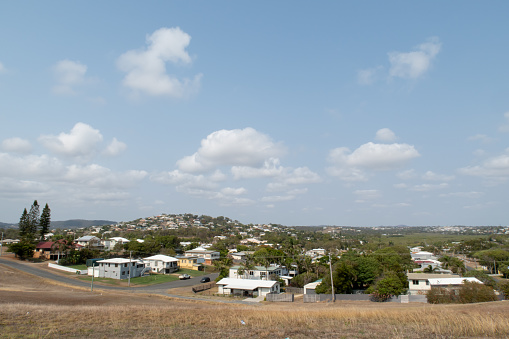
[
  {"x": 45, "y": 221},
  {"x": 24, "y": 225},
  {"x": 33, "y": 219}
]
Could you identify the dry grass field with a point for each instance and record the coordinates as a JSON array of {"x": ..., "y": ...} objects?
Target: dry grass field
[{"x": 34, "y": 308}]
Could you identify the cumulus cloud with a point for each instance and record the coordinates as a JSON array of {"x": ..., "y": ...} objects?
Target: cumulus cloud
[
  {"x": 493, "y": 168},
  {"x": 146, "y": 68},
  {"x": 351, "y": 166},
  {"x": 16, "y": 145},
  {"x": 407, "y": 175},
  {"x": 98, "y": 176},
  {"x": 68, "y": 74},
  {"x": 114, "y": 148},
  {"x": 238, "y": 147},
  {"x": 82, "y": 141},
  {"x": 385, "y": 135},
  {"x": 411, "y": 65}
]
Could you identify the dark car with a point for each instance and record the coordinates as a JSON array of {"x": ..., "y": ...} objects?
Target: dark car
[{"x": 205, "y": 279}]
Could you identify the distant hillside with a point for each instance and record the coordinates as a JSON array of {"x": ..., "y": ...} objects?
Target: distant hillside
[
  {"x": 4, "y": 225},
  {"x": 78, "y": 223}
]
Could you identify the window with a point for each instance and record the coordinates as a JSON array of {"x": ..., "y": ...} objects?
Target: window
[
  {"x": 427, "y": 282},
  {"x": 116, "y": 265},
  {"x": 415, "y": 282}
]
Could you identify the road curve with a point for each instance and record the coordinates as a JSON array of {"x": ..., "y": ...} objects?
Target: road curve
[{"x": 159, "y": 289}]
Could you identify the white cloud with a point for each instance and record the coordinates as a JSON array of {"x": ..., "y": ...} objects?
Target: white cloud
[
  {"x": 114, "y": 148},
  {"x": 367, "y": 76},
  {"x": 98, "y": 176},
  {"x": 146, "y": 68},
  {"x": 385, "y": 135},
  {"x": 429, "y": 175},
  {"x": 469, "y": 195},
  {"x": 69, "y": 74},
  {"x": 2, "y": 68},
  {"x": 401, "y": 185},
  {"x": 30, "y": 166},
  {"x": 480, "y": 137},
  {"x": 365, "y": 195},
  {"x": 246, "y": 147},
  {"x": 233, "y": 191},
  {"x": 350, "y": 166},
  {"x": 407, "y": 175},
  {"x": 17, "y": 145},
  {"x": 412, "y": 65},
  {"x": 81, "y": 142},
  {"x": 495, "y": 168},
  {"x": 271, "y": 168},
  {"x": 429, "y": 187},
  {"x": 184, "y": 180}
]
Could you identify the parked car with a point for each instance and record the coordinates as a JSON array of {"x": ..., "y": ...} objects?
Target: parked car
[
  {"x": 184, "y": 276},
  {"x": 205, "y": 279}
]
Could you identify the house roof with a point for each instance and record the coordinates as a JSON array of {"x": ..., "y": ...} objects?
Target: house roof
[
  {"x": 88, "y": 238},
  {"x": 246, "y": 284},
  {"x": 161, "y": 257},
  {"x": 427, "y": 276},
  {"x": 312, "y": 285},
  {"x": 117, "y": 261},
  {"x": 201, "y": 250},
  {"x": 49, "y": 244},
  {"x": 453, "y": 281},
  {"x": 258, "y": 268}
]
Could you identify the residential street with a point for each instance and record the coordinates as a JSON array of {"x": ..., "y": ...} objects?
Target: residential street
[{"x": 160, "y": 289}]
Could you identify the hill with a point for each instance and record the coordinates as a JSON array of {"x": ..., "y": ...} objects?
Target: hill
[
  {"x": 73, "y": 223},
  {"x": 78, "y": 223}
]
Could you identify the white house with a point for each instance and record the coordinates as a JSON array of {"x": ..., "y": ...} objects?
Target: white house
[
  {"x": 423, "y": 255},
  {"x": 200, "y": 252},
  {"x": 310, "y": 288},
  {"x": 316, "y": 252},
  {"x": 162, "y": 263},
  {"x": 257, "y": 272},
  {"x": 452, "y": 282},
  {"x": 111, "y": 242},
  {"x": 247, "y": 287},
  {"x": 90, "y": 241},
  {"x": 119, "y": 268},
  {"x": 419, "y": 283}
]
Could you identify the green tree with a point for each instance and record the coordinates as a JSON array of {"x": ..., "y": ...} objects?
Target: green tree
[
  {"x": 33, "y": 220},
  {"x": 388, "y": 285},
  {"x": 45, "y": 221},
  {"x": 24, "y": 226},
  {"x": 23, "y": 249}
]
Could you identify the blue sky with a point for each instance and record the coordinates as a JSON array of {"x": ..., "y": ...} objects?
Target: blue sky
[{"x": 358, "y": 113}]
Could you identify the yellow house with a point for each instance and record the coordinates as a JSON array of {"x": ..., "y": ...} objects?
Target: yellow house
[{"x": 190, "y": 263}]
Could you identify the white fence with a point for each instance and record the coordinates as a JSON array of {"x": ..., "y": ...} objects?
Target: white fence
[{"x": 67, "y": 269}]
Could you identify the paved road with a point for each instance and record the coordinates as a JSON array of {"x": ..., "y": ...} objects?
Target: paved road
[{"x": 160, "y": 289}]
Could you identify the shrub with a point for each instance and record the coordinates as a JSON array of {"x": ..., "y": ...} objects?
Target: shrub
[
  {"x": 504, "y": 288},
  {"x": 469, "y": 292}
]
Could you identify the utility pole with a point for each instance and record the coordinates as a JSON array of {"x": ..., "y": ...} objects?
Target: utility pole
[
  {"x": 2, "y": 244},
  {"x": 331, "y": 280},
  {"x": 129, "y": 277},
  {"x": 93, "y": 273}
]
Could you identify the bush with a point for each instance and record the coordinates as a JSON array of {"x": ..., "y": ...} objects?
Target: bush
[
  {"x": 486, "y": 279},
  {"x": 504, "y": 288},
  {"x": 469, "y": 292}
]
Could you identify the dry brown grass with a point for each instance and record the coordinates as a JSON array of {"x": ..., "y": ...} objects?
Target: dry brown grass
[{"x": 195, "y": 320}]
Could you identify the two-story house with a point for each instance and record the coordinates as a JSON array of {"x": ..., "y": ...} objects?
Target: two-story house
[{"x": 162, "y": 263}]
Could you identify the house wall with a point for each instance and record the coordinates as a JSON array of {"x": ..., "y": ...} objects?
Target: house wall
[{"x": 421, "y": 286}]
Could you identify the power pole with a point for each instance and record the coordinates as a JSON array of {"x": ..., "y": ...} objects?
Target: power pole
[
  {"x": 129, "y": 277},
  {"x": 331, "y": 280},
  {"x": 93, "y": 273},
  {"x": 2, "y": 244}
]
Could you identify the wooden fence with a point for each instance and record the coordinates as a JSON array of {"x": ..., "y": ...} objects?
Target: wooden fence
[{"x": 203, "y": 287}]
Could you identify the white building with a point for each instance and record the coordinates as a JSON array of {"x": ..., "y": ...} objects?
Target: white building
[
  {"x": 90, "y": 241},
  {"x": 206, "y": 255},
  {"x": 111, "y": 242},
  {"x": 162, "y": 263},
  {"x": 257, "y": 272},
  {"x": 247, "y": 287},
  {"x": 119, "y": 268},
  {"x": 419, "y": 283}
]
